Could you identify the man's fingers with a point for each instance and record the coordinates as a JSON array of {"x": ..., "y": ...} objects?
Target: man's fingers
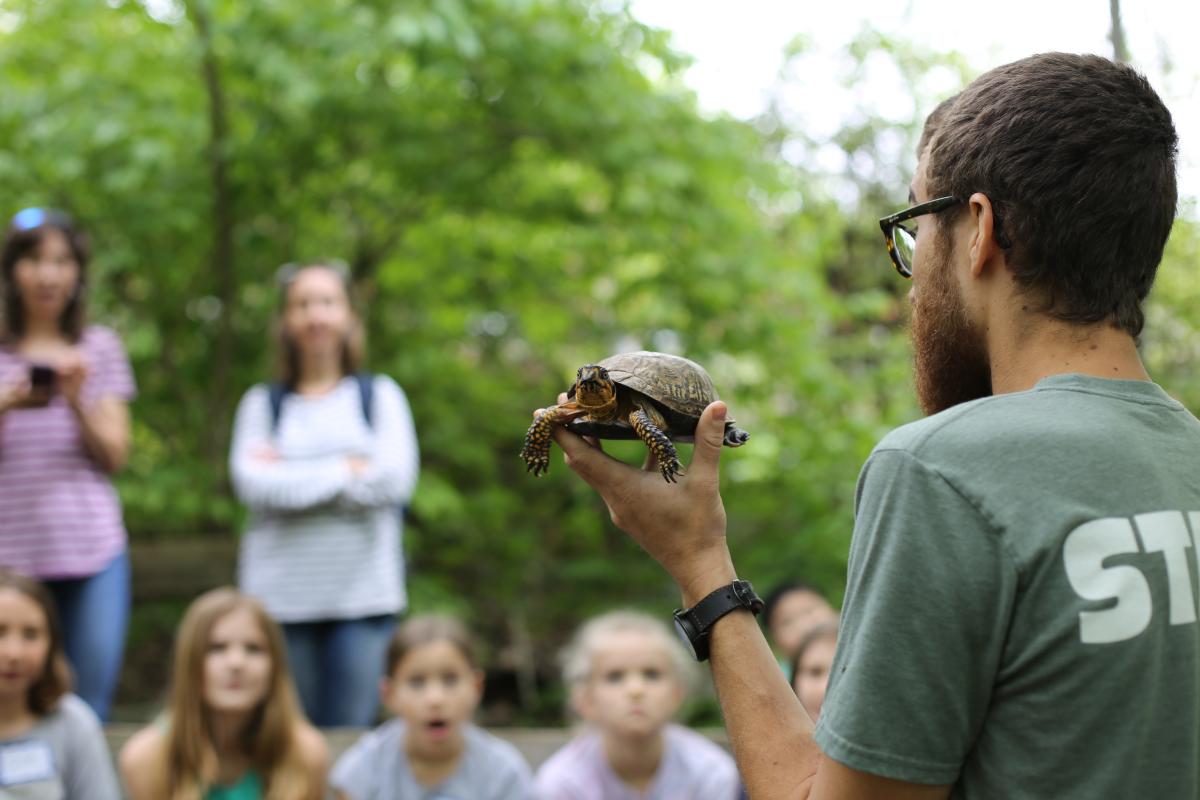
[
  {"x": 589, "y": 462},
  {"x": 710, "y": 435},
  {"x": 651, "y": 462}
]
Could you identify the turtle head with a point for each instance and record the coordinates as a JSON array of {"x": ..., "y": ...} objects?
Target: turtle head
[{"x": 593, "y": 387}]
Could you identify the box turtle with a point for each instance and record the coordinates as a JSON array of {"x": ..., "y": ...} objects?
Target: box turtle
[{"x": 654, "y": 397}]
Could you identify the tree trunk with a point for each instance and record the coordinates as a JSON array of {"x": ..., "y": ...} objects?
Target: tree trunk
[
  {"x": 224, "y": 280},
  {"x": 1120, "y": 51}
]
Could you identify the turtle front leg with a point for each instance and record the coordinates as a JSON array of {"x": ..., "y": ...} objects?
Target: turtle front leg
[
  {"x": 650, "y": 432},
  {"x": 536, "y": 452}
]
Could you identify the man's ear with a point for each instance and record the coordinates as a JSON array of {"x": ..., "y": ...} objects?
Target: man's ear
[
  {"x": 480, "y": 680},
  {"x": 982, "y": 240}
]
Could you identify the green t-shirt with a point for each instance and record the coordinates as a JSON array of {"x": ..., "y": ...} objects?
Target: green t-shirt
[
  {"x": 249, "y": 787},
  {"x": 1020, "y": 616}
]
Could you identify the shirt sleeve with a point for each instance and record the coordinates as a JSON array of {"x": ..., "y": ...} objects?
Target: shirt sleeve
[
  {"x": 268, "y": 483},
  {"x": 351, "y": 773},
  {"x": 929, "y": 596},
  {"x": 566, "y": 777},
  {"x": 392, "y": 476},
  {"x": 515, "y": 783},
  {"x": 89, "y": 773},
  {"x": 109, "y": 371}
]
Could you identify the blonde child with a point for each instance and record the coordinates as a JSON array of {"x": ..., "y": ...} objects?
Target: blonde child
[
  {"x": 628, "y": 675},
  {"x": 432, "y": 684},
  {"x": 233, "y": 729},
  {"x": 51, "y": 744}
]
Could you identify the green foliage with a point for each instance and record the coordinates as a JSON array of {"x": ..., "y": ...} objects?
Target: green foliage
[{"x": 519, "y": 186}]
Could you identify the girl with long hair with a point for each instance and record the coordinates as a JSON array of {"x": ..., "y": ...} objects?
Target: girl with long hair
[
  {"x": 65, "y": 388},
  {"x": 323, "y": 458},
  {"x": 51, "y": 744},
  {"x": 232, "y": 729}
]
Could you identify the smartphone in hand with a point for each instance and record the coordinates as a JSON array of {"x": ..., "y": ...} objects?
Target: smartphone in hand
[{"x": 43, "y": 380}]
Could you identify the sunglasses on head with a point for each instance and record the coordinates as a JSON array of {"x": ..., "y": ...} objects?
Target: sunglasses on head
[{"x": 34, "y": 217}]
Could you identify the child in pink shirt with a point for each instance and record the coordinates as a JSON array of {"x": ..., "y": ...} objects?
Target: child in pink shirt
[{"x": 628, "y": 675}]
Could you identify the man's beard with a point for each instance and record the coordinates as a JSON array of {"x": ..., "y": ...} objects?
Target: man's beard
[{"x": 950, "y": 360}]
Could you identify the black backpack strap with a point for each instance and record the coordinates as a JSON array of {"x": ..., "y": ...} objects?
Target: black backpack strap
[
  {"x": 366, "y": 394},
  {"x": 275, "y": 394}
]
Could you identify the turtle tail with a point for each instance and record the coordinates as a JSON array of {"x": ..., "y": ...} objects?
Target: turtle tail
[{"x": 734, "y": 437}]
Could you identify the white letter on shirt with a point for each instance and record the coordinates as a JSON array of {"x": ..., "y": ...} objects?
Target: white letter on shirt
[
  {"x": 1166, "y": 532},
  {"x": 1084, "y": 552}
]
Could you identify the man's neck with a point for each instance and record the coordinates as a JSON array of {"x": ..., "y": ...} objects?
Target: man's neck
[{"x": 1024, "y": 352}]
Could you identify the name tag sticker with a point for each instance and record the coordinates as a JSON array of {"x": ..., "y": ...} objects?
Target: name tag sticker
[{"x": 26, "y": 762}]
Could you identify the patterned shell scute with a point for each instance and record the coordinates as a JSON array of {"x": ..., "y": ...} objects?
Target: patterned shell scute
[{"x": 674, "y": 381}]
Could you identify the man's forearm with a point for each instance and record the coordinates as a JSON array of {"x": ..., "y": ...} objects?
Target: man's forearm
[{"x": 769, "y": 729}]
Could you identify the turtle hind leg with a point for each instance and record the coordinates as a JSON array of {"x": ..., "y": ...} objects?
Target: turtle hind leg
[
  {"x": 536, "y": 450},
  {"x": 659, "y": 443}
]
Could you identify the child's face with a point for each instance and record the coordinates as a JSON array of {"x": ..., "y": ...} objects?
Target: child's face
[
  {"x": 435, "y": 690},
  {"x": 237, "y": 666},
  {"x": 24, "y": 642},
  {"x": 812, "y": 674},
  {"x": 796, "y": 614},
  {"x": 632, "y": 690}
]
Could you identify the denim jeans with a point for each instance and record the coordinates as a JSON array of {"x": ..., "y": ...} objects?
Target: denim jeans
[
  {"x": 337, "y": 665},
  {"x": 95, "y": 613}
]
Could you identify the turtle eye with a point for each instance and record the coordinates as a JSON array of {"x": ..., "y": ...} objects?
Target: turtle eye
[{"x": 603, "y": 374}]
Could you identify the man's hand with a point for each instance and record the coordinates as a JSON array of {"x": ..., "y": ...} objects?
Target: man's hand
[{"x": 681, "y": 525}]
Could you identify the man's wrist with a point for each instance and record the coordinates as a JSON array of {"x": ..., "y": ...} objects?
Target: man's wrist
[{"x": 707, "y": 574}]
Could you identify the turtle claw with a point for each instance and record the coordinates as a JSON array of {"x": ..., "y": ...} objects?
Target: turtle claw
[
  {"x": 537, "y": 464},
  {"x": 671, "y": 471}
]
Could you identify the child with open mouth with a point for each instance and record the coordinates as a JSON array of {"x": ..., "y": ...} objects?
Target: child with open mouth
[{"x": 431, "y": 750}]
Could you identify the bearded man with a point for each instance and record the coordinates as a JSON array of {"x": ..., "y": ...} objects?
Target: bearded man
[{"x": 1021, "y": 608}]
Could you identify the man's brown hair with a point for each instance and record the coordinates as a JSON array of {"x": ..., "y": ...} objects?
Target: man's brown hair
[{"x": 1077, "y": 155}]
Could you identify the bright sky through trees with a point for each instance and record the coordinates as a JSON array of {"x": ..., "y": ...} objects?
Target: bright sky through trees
[{"x": 738, "y": 49}]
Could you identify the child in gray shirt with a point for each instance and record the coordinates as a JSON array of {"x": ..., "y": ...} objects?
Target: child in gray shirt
[
  {"x": 431, "y": 751},
  {"x": 59, "y": 752}
]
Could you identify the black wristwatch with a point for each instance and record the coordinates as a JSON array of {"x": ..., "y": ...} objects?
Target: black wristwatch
[{"x": 695, "y": 624}]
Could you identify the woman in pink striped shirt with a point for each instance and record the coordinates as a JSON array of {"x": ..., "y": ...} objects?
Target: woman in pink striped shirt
[{"x": 64, "y": 428}]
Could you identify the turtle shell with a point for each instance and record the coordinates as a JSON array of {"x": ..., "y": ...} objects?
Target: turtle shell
[{"x": 678, "y": 383}]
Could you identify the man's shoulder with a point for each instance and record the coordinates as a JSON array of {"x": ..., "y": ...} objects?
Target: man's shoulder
[
  {"x": 1037, "y": 418},
  {"x": 969, "y": 424}
]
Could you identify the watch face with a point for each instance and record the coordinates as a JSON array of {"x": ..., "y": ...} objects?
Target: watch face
[{"x": 682, "y": 629}]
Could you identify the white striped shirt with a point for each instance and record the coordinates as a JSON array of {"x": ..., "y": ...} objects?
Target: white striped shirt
[{"x": 323, "y": 543}]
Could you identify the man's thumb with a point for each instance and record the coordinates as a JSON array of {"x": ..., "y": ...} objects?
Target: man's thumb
[{"x": 710, "y": 435}]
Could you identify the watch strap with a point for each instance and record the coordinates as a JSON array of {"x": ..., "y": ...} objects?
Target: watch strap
[{"x": 716, "y": 604}]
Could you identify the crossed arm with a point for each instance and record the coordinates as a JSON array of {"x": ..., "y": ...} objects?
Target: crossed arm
[{"x": 682, "y": 526}]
